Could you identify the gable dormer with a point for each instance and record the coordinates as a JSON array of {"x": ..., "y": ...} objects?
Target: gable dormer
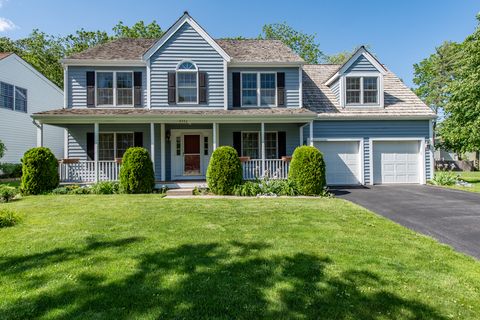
[{"x": 359, "y": 81}]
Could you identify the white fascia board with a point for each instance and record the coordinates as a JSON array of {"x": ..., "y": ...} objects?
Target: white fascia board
[
  {"x": 355, "y": 56},
  {"x": 13, "y": 56},
  {"x": 173, "y": 29},
  {"x": 102, "y": 63}
]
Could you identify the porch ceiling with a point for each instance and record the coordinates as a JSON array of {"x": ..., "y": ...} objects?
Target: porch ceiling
[{"x": 130, "y": 115}]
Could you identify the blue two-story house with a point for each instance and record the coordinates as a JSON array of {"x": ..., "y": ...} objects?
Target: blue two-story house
[{"x": 185, "y": 94}]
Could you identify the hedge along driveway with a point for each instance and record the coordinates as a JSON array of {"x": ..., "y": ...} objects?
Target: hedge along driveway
[{"x": 144, "y": 257}]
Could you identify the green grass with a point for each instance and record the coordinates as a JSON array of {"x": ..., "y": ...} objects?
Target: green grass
[
  {"x": 471, "y": 177},
  {"x": 147, "y": 257}
]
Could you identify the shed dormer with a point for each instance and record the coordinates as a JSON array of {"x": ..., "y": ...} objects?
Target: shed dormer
[{"x": 359, "y": 81}]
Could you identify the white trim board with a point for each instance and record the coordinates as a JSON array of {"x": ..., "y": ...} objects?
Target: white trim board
[
  {"x": 185, "y": 18},
  {"x": 422, "y": 158}
]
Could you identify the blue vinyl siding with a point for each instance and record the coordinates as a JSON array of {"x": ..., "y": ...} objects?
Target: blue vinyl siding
[
  {"x": 77, "y": 83},
  {"x": 372, "y": 129},
  {"x": 361, "y": 64},
  {"x": 186, "y": 44},
  {"x": 336, "y": 89},
  {"x": 291, "y": 83}
]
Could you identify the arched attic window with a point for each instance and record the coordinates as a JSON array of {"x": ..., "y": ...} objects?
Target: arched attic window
[{"x": 187, "y": 83}]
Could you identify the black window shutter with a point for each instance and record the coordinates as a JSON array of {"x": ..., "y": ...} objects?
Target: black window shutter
[
  {"x": 90, "y": 88},
  {"x": 202, "y": 87},
  {"x": 237, "y": 142},
  {"x": 171, "y": 88},
  {"x": 138, "y": 139},
  {"x": 282, "y": 144},
  {"x": 90, "y": 146},
  {"x": 137, "y": 89},
  {"x": 236, "y": 89},
  {"x": 281, "y": 89}
]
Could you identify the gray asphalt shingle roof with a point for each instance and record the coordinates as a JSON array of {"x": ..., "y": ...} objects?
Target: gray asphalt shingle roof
[
  {"x": 399, "y": 100},
  {"x": 255, "y": 51}
]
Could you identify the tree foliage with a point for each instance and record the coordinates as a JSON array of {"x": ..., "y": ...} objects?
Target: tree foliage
[
  {"x": 341, "y": 57},
  {"x": 2, "y": 149},
  {"x": 45, "y": 52},
  {"x": 301, "y": 43},
  {"x": 449, "y": 81}
]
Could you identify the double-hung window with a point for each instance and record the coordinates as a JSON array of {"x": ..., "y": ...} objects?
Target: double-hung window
[
  {"x": 251, "y": 145},
  {"x": 259, "y": 89},
  {"x": 20, "y": 99},
  {"x": 114, "y": 144},
  {"x": 114, "y": 88},
  {"x": 187, "y": 83},
  {"x": 361, "y": 90}
]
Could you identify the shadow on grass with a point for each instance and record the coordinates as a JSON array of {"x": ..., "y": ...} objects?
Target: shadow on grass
[{"x": 236, "y": 280}]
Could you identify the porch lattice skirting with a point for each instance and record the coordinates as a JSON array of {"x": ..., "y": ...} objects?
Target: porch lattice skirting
[{"x": 84, "y": 171}]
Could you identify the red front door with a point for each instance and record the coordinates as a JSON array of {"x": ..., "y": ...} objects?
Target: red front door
[{"x": 191, "y": 154}]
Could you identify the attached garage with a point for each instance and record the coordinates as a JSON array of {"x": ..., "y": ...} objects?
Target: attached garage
[
  {"x": 343, "y": 161},
  {"x": 395, "y": 162}
]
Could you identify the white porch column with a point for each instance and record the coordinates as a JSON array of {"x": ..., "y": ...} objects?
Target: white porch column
[
  {"x": 215, "y": 136},
  {"x": 262, "y": 133},
  {"x": 96, "y": 129},
  {"x": 162, "y": 151},
  {"x": 301, "y": 135},
  {"x": 39, "y": 134},
  {"x": 311, "y": 133},
  {"x": 152, "y": 144}
]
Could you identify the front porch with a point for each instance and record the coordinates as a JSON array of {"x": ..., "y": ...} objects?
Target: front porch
[{"x": 180, "y": 149}]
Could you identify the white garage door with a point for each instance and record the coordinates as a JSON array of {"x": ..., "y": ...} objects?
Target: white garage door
[
  {"x": 396, "y": 162},
  {"x": 342, "y": 161}
]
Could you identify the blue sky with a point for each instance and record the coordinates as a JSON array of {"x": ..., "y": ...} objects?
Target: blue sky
[{"x": 400, "y": 32}]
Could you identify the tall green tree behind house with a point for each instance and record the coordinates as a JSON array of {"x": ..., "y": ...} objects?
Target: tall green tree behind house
[{"x": 301, "y": 43}]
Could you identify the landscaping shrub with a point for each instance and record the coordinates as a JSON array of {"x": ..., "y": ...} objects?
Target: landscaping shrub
[
  {"x": 445, "y": 178},
  {"x": 136, "y": 173},
  {"x": 7, "y": 193},
  {"x": 307, "y": 170},
  {"x": 39, "y": 171},
  {"x": 10, "y": 170},
  {"x": 105, "y": 187},
  {"x": 8, "y": 218},
  {"x": 224, "y": 171},
  {"x": 266, "y": 187},
  {"x": 60, "y": 190},
  {"x": 2, "y": 149}
]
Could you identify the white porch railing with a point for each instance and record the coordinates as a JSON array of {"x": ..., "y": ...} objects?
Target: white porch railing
[
  {"x": 84, "y": 171},
  {"x": 274, "y": 169}
]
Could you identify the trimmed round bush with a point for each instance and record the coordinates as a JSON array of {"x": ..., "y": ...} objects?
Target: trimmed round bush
[
  {"x": 39, "y": 171},
  {"x": 136, "y": 173},
  {"x": 224, "y": 171},
  {"x": 307, "y": 170}
]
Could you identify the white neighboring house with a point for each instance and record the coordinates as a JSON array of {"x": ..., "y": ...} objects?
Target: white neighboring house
[{"x": 24, "y": 91}]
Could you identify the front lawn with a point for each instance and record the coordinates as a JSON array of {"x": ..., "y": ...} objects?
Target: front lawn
[
  {"x": 147, "y": 257},
  {"x": 471, "y": 177}
]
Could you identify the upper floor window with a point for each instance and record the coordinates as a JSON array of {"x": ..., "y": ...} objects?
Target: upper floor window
[
  {"x": 187, "y": 83},
  {"x": 361, "y": 90},
  {"x": 114, "y": 88},
  {"x": 13, "y": 97},
  {"x": 259, "y": 89}
]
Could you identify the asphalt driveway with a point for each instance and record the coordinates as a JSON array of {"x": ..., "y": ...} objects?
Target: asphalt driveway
[{"x": 451, "y": 216}]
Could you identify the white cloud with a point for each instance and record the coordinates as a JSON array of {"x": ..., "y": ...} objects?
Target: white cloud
[{"x": 6, "y": 25}]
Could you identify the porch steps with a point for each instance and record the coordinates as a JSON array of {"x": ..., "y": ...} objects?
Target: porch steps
[{"x": 180, "y": 192}]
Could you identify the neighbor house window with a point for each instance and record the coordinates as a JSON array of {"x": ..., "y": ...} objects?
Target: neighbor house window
[
  {"x": 251, "y": 145},
  {"x": 259, "y": 89},
  {"x": 6, "y": 95},
  {"x": 20, "y": 99},
  {"x": 105, "y": 88},
  {"x": 187, "y": 83},
  {"x": 124, "y": 88},
  {"x": 361, "y": 90},
  {"x": 113, "y": 145}
]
